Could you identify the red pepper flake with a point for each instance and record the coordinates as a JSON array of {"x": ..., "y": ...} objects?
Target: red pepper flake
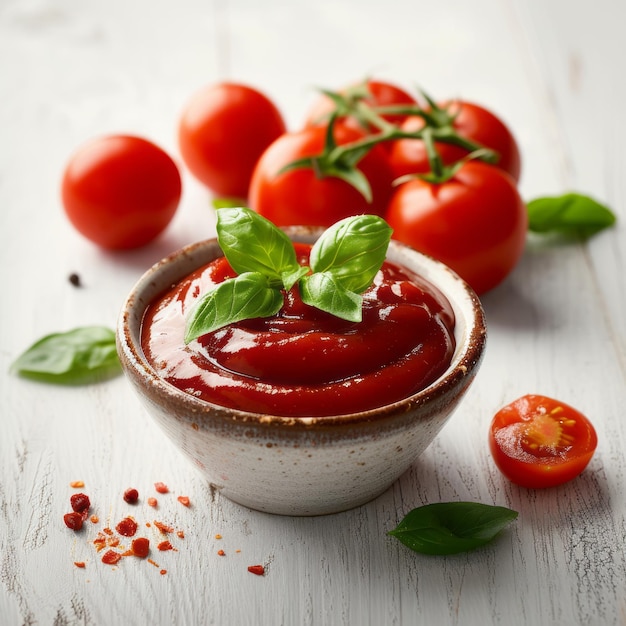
[
  {"x": 165, "y": 545},
  {"x": 163, "y": 572},
  {"x": 74, "y": 521},
  {"x": 107, "y": 531},
  {"x": 127, "y": 527},
  {"x": 152, "y": 502},
  {"x": 77, "y": 484},
  {"x": 221, "y": 553},
  {"x": 164, "y": 528},
  {"x": 80, "y": 564},
  {"x": 184, "y": 500},
  {"x": 94, "y": 519},
  {"x": 140, "y": 547},
  {"x": 80, "y": 502},
  {"x": 161, "y": 487},
  {"x": 259, "y": 570},
  {"x": 111, "y": 557},
  {"x": 180, "y": 534},
  {"x": 218, "y": 536},
  {"x": 131, "y": 495},
  {"x": 153, "y": 562}
]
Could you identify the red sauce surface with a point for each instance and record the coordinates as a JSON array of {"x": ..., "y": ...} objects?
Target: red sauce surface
[{"x": 302, "y": 361}]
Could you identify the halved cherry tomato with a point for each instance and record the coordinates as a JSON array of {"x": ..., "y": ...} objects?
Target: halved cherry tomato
[
  {"x": 381, "y": 93},
  {"x": 305, "y": 197},
  {"x": 120, "y": 191},
  {"x": 538, "y": 442},
  {"x": 222, "y": 133},
  {"x": 475, "y": 222},
  {"x": 408, "y": 156}
]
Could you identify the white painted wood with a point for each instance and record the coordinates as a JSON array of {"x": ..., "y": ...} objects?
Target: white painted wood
[{"x": 70, "y": 70}]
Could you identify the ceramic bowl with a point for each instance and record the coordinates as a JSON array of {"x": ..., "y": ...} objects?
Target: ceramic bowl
[{"x": 301, "y": 466}]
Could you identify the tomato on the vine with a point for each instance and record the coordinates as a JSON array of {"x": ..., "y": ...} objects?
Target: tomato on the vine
[
  {"x": 304, "y": 196},
  {"x": 473, "y": 122},
  {"x": 539, "y": 442},
  {"x": 222, "y": 133},
  {"x": 378, "y": 94},
  {"x": 474, "y": 222},
  {"x": 120, "y": 191}
]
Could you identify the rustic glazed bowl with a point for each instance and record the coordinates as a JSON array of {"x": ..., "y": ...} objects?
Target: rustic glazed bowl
[{"x": 301, "y": 466}]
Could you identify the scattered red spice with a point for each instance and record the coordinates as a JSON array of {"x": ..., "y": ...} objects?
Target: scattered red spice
[
  {"x": 184, "y": 500},
  {"x": 165, "y": 545},
  {"x": 152, "y": 502},
  {"x": 74, "y": 520},
  {"x": 111, "y": 557},
  {"x": 259, "y": 570},
  {"x": 80, "y": 502},
  {"x": 131, "y": 495},
  {"x": 140, "y": 547},
  {"x": 218, "y": 536},
  {"x": 127, "y": 527},
  {"x": 221, "y": 553},
  {"x": 80, "y": 564},
  {"x": 164, "y": 528},
  {"x": 163, "y": 572},
  {"x": 94, "y": 519},
  {"x": 161, "y": 487},
  {"x": 107, "y": 531},
  {"x": 180, "y": 534},
  {"x": 77, "y": 484},
  {"x": 152, "y": 562}
]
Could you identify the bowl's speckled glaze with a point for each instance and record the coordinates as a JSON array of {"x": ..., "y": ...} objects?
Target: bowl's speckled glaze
[{"x": 301, "y": 466}]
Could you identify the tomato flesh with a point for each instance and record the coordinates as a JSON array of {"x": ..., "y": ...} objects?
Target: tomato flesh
[{"x": 539, "y": 442}]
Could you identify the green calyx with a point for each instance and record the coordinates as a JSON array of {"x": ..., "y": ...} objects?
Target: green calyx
[
  {"x": 343, "y": 264},
  {"x": 341, "y": 161}
]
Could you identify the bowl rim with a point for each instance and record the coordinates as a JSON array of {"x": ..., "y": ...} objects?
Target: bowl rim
[{"x": 465, "y": 360}]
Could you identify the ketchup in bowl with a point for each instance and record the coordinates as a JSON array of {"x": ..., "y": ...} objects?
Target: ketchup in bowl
[{"x": 304, "y": 361}]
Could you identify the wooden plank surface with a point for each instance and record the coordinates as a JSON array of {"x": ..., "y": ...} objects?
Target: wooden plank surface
[{"x": 73, "y": 70}]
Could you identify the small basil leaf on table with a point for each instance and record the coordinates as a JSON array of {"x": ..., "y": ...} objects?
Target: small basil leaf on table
[
  {"x": 452, "y": 527},
  {"x": 245, "y": 296},
  {"x": 79, "y": 356},
  {"x": 570, "y": 214}
]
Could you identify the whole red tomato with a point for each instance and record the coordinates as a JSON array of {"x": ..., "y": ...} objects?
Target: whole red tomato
[
  {"x": 303, "y": 196},
  {"x": 120, "y": 191},
  {"x": 408, "y": 156},
  {"x": 539, "y": 442},
  {"x": 381, "y": 94},
  {"x": 475, "y": 222},
  {"x": 222, "y": 133}
]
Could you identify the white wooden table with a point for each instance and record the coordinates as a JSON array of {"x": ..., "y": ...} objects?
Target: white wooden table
[{"x": 71, "y": 70}]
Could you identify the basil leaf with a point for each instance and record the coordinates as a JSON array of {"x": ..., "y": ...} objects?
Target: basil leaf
[
  {"x": 322, "y": 291},
  {"x": 251, "y": 243},
  {"x": 80, "y": 356},
  {"x": 246, "y": 296},
  {"x": 227, "y": 203},
  {"x": 570, "y": 214},
  {"x": 451, "y": 527},
  {"x": 352, "y": 250}
]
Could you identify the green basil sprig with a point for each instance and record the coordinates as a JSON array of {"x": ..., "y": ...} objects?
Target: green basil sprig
[
  {"x": 343, "y": 264},
  {"x": 451, "y": 527},
  {"x": 569, "y": 214},
  {"x": 80, "y": 356}
]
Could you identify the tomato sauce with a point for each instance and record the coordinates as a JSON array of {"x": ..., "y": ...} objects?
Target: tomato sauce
[{"x": 304, "y": 362}]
